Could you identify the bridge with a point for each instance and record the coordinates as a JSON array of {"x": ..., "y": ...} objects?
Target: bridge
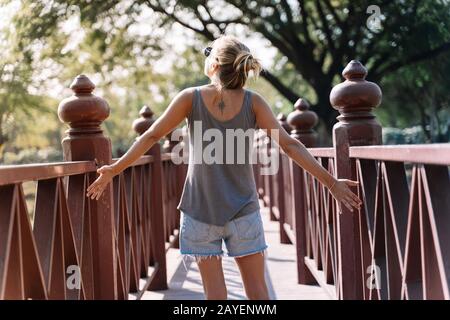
[{"x": 55, "y": 243}]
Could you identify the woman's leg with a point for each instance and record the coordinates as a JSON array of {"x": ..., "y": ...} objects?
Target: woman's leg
[
  {"x": 252, "y": 272},
  {"x": 213, "y": 279}
]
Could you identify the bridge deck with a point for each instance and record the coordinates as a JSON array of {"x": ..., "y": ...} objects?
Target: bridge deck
[{"x": 281, "y": 274}]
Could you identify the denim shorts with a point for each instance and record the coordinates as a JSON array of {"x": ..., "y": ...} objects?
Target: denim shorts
[{"x": 242, "y": 236}]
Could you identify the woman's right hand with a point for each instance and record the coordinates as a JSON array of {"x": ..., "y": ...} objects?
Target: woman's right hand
[{"x": 95, "y": 190}]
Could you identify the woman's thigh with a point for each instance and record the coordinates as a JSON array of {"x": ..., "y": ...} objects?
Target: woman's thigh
[
  {"x": 252, "y": 268},
  {"x": 213, "y": 278}
]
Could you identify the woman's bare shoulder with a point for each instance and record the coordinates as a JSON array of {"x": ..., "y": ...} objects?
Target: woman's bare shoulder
[
  {"x": 187, "y": 91},
  {"x": 257, "y": 99}
]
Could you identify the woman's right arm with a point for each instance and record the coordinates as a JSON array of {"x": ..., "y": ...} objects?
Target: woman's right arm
[{"x": 178, "y": 110}]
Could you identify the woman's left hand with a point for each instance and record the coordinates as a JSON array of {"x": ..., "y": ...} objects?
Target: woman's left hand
[{"x": 342, "y": 193}]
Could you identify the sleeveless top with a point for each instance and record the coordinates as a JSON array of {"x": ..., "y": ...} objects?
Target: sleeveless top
[{"x": 219, "y": 186}]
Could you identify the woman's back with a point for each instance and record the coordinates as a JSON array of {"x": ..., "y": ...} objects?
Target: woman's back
[
  {"x": 233, "y": 99},
  {"x": 220, "y": 183}
]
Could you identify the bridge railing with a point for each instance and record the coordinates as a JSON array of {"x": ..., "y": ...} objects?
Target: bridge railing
[
  {"x": 397, "y": 245},
  {"x": 73, "y": 247},
  {"x": 34, "y": 257}
]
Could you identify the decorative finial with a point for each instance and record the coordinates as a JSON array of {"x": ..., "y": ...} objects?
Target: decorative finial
[
  {"x": 303, "y": 120},
  {"x": 82, "y": 85},
  {"x": 282, "y": 120},
  {"x": 354, "y": 70},
  {"x": 141, "y": 124},
  {"x": 355, "y": 94},
  {"x": 83, "y": 111}
]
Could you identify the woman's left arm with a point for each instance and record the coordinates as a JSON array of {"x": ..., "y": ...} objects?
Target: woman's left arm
[{"x": 339, "y": 188}]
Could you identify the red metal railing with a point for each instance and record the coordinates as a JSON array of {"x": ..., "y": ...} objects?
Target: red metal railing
[
  {"x": 172, "y": 187},
  {"x": 38, "y": 257},
  {"x": 73, "y": 247},
  {"x": 34, "y": 260},
  {"x": 397, "y": 245}
]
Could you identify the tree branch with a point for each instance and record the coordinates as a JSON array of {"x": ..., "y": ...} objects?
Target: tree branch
[
  {"x": 325, "y": 27},
  {"x": 413, "y": 59},
  {"x": 205, "y": 32},
  {"x": 283, "y": 89}
]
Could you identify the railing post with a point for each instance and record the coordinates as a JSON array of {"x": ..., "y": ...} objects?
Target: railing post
[
  {"x": 169, "y": 144},
  {"x": 85, "y": 112},
  {"x": 354, "y": 99},
  {"x": 282, "y": 119},
  {"x": 284, "y": 238},
  {"x": 268, "y": 197},
  {"x": 302, "y": 120},
  {"x": 157, "y": 226},
  {"x": 141, "y": 124}
]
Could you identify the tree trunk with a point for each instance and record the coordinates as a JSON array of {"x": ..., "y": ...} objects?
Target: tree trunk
[{"x": 324, "y": 110}]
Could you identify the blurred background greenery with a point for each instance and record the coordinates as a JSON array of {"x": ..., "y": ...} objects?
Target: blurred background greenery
[{"x": 144, "y": 52}]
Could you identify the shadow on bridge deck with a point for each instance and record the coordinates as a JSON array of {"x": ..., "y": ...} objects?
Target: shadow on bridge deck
[{"x": 280, "y": 274}]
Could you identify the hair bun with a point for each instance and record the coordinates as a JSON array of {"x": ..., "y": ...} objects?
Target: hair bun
[
  {"x": 236, "y": 62},
  {"x": 243, "y": 61}
]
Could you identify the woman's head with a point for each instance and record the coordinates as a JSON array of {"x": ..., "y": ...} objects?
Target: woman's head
[{"x": 229, "y": 63}]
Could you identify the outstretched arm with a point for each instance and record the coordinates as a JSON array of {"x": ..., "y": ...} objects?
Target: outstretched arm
[
  {"x": 177, "y": 111},
  {"x": 297, "y": 151}
]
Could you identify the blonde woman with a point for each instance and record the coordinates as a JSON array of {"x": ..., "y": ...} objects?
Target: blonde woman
[{"x": 219, "y": 205}]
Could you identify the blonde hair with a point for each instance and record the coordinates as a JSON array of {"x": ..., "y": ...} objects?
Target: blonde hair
[{"x": 235, "y": 62}]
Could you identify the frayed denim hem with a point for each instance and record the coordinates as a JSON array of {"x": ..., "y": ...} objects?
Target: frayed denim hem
[
  {"x": 262, "y": 251},
  {"x": 199, "y": 256}
]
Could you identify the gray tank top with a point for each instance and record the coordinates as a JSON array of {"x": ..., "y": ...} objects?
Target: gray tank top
[{"x": 221, "y": 189}]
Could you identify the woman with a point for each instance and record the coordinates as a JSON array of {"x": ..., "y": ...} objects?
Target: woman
[{"x": 219, "y": 203}]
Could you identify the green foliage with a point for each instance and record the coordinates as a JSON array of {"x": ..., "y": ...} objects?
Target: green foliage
[
  {"x": 317, "y": 38},
  {"x": 119, "y": 45},
  {"x": 33, "y": 155},
  {"x": 16, "y": 79},
  {"x": 418, "y": 95},
  {"x": 413, "y": 135}
]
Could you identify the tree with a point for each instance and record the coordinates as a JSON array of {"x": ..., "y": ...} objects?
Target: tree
[
  {"x": 319, "y": 37},
  {"x": 418, "y": 95},
  {"x": 315, "y": 38},
  {"x": 15, "y": 80}
]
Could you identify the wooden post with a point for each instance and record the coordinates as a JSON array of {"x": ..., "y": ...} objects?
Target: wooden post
[
  {"x": 284, "y": 238},
  {"x": 140, "y": 125},
  {"x": 157, "y": 226},
  {"x": 302, "y": 120},
  {"x": 259, "y": 179},
  {"x": 85, "y": 112},
  {"x": 169, "y": 144},
  {"x": 282, "y": 119},
  {"x": 354, "y": 99},
  {"x": 269, "y": 194}
]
